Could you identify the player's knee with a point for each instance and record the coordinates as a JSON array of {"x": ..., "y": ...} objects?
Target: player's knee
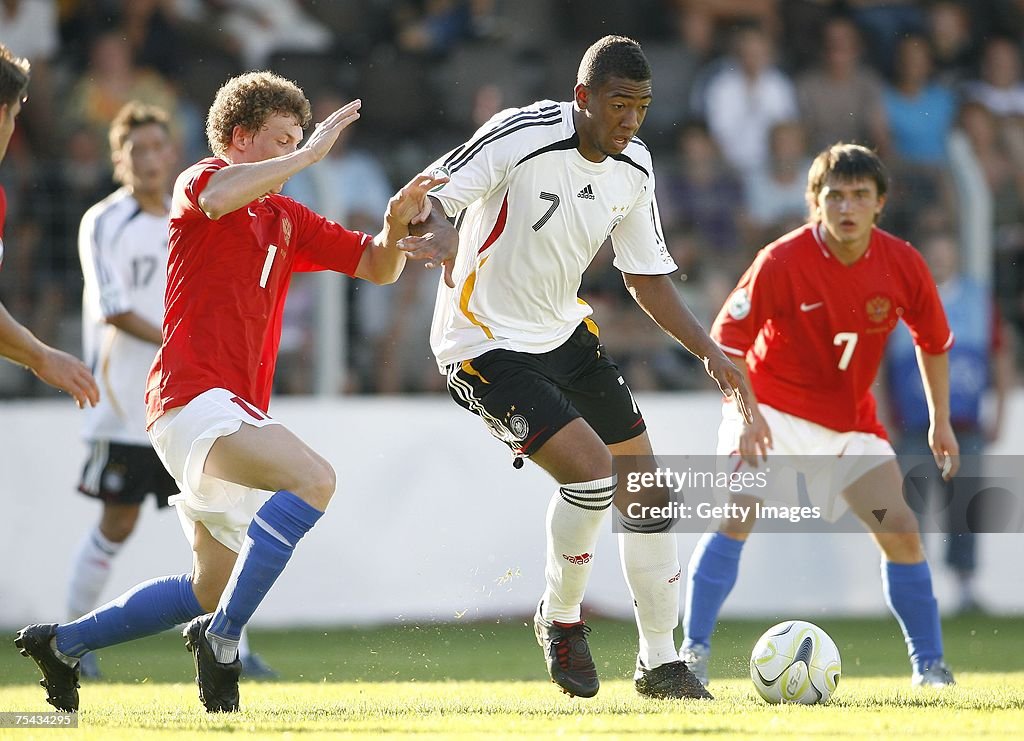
[
  {"x": 901, "y": 522},
  {"x": 117, "y": 526},
  {"x": 902, "y": 547},
  {"x": 317, "y": 484}
]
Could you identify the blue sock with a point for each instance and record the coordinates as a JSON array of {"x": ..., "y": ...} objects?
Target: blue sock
[
  {"x": 908, "y": 592},
  {"x": 712, "y": 573},
  {"x": 272, "y": 536},
  {"x": 149, "y": 608}
]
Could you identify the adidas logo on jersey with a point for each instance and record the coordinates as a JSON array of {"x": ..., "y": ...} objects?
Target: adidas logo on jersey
[{"x": 587, "y": 192}]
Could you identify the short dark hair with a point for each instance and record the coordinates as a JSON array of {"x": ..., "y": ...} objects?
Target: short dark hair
[
  {"x": 134, "y": 115},
  {"x": 613, "y": 56},
  {"x": 845, "y": 162},
  {"x": 14, "y": 74},
  {"x": 248, "y": 100}
]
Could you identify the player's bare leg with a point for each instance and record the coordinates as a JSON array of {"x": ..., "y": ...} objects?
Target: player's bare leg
[
  {"x": 877, "y": 500},
  {"x": 272, "y": 458},
  {"x": 269, "y": 458}
]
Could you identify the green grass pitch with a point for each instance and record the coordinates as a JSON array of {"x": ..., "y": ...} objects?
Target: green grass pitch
[{"x": 471, "y": 680}]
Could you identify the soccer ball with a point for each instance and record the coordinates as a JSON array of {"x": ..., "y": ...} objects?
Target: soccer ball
[{"x": 795, "y": 661}]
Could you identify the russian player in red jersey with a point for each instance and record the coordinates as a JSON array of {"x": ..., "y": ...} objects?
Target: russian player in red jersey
[
  {"x": 810, "y": 317},
  {"x": 17, "y": 343},
  {"x": 250, "y": 489}
]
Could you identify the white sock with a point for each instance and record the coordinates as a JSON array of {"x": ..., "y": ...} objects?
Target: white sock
[
  {"x": 573, "y": 525},
  {"x": 225, "y": 650},
  {"x": 650, "y": 563},
  {"x": 90, "y": 571}
]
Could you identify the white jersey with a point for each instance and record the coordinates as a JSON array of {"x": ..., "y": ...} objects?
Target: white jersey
[
  {"x": 123, "y": 251},
  {"x": 532, "y": 213}
]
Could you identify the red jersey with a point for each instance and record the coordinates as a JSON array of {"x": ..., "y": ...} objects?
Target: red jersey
[
  {"x": 813, "y": 330},
  {"x": 226, "y": 286}
]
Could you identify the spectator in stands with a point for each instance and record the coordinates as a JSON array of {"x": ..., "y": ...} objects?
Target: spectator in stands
[
  {"x": 52, "y": 206},
  {"x": 884, "y": 23},
  {"x": 919, "y": 112},
  {"x": 701, "y": 191},
  {"x": 111, "y": 80},
  {"x": 431, "y": 28},
  {"x": 747, "y": 97},
  {"x": 1004, "y": 174},
  {"x": 683, "y": 69},
  {"x": 259, "y": 28},
  {"x": 1000, "y": 88},
  {"x": 841, "y": 98},
  {"x": 776, "y": 194},
  {"x": 919, "y": 115},
  {"x": 29, "y": 29},
  {"x": 953, "y": 42},
  {"x": 392, "y": 323}
]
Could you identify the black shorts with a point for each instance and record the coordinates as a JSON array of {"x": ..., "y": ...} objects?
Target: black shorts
[
  {"x": 124, "y": 474},
  {"x": 526, "y": 398}
]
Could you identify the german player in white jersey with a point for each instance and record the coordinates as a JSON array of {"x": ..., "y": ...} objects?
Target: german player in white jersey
[
  {"x": 122, "y": 245},
  {"x": 808, "y": 322},
  {"x": 535, "y": 194}
]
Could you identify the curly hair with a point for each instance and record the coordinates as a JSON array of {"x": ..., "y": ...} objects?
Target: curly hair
[
  {"x": 613, "y": 56},
  {"x": 248, "y": 101},
  {"x": 14, "y": 74}
]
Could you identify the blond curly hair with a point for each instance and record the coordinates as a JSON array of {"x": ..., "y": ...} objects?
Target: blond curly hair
[{"x": 248, "y": 100}]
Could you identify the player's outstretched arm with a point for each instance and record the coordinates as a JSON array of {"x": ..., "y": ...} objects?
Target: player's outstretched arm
[
  {"x": 656, "y": 295},
  {"x": 941, "y": 438},
  {"x": 383, "y": 261},
  {"x": 239, "y": 184},
  {"x": 440, "y": 243},
  {"x": 53, "y": 366}
]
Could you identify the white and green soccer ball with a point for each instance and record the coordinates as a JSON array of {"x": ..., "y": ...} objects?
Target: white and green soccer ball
[{"x": 795, "y": 661}]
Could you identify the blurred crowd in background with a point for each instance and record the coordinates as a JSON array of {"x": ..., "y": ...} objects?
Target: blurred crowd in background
[{"x": 745, "y": 93}]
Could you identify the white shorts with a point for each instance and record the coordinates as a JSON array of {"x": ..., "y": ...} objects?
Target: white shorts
[
  {"x": 183, "y": 437},
  {"x": 830, "y": 461}
]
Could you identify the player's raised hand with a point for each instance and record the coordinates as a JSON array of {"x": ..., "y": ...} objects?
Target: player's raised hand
[
  {"x": 69, "y": 374},
  {"x": 410, "y": 205},
  {"x": 327, "y": 131},
  {"x": 945, "y": 448},
  {"x": 438, "y": 247}
]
